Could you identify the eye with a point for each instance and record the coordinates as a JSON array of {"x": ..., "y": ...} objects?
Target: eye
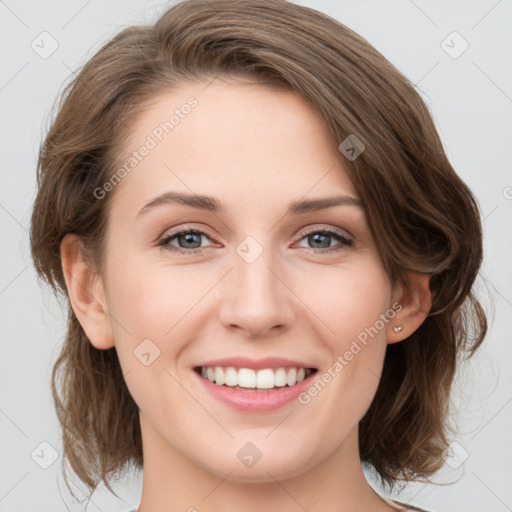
[
  {"x": 320, "y": 240},
  {"x": 188, "y": 241}
]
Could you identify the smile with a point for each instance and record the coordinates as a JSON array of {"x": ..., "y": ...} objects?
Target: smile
[
  {"x": 247, "y": 379},
  {"x": 254, "y": 390}
]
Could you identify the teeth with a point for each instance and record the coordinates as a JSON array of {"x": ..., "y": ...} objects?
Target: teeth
[
  {"x": 291, "y": 377},
  {"x": 219, "y": 376},
  {"x": 266, "y": 378},
  {"x": 246, "y": 378},
  {"x": 231, "y": 377},
  {"x": 280, "y": 377}
]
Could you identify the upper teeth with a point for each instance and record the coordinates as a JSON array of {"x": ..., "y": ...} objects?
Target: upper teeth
[{"x": 266, "y": 378}]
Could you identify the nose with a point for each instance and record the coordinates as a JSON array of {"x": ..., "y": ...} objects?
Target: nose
[{"x": 255, "y": 298}]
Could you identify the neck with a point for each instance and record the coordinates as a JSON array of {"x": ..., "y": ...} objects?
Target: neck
[{"x": 173, "y": 482}]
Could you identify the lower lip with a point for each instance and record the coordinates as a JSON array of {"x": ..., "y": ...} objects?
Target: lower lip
[{"x": 255, "y": 401}]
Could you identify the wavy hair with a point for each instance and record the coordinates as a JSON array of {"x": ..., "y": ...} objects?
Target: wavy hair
[{"x": 422, "y": 215}]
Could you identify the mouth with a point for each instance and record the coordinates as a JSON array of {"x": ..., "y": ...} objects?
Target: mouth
[{"x": 255, "y": 380}]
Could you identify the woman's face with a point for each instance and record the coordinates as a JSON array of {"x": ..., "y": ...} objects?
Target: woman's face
[{"x": 257, "y": 278}]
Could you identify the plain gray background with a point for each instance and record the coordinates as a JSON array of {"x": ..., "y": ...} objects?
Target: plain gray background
[{"x": 470, "y": 96}]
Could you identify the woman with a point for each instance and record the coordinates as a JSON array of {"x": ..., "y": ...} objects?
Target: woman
[{"x": 269, "y": 262}]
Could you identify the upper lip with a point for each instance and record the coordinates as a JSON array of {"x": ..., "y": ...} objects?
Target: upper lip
[{"x": 256, "y": 364}]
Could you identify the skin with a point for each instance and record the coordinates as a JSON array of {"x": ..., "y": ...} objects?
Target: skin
[{"x": 255, "y": 150}]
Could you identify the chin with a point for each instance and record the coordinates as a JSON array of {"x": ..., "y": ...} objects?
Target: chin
[{"x": 265, "y": 470}]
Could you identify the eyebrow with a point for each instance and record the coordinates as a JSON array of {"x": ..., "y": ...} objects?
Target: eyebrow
[{"x": 212, "y": 204}]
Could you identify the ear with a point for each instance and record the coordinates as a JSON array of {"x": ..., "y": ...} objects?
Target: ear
[
  {"x": 415, "y": 299},
  {"x": 86, "y": 293}
]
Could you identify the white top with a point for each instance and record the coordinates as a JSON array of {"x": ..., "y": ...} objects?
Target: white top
[{"x": 402, "y": 507}]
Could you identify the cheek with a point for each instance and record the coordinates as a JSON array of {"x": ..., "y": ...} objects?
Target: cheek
[
  {"x": 152, "y": 298},
  {"x": 149, "y": 305},
  {"x": 153, "y": 311},
  {"x": 350, "y": 301},
  {"x": 352, "y": 305}
]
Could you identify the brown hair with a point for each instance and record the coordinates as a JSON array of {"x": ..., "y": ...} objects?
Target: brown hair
[{"x": 422, "y": 215}]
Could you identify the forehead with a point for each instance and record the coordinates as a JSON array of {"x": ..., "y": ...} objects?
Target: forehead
[{"x": 239, "y": 141}]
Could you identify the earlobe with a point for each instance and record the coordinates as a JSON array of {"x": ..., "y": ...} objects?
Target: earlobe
[
  {"x": 86, "y": 293},
  {"x": 415, "y": 301}
]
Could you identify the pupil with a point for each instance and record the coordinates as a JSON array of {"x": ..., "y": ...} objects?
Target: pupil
[
  {"x": 315, "y": 239},
  {"x": 189, "y": 239}
]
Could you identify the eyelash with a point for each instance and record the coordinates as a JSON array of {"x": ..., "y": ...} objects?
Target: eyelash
[{"x": 340, "y": 237}]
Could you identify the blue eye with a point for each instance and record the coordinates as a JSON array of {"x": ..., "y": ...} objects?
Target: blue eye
[
  {"x": 189, "y": 241},
  {"x": 320, "y": 238}
]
